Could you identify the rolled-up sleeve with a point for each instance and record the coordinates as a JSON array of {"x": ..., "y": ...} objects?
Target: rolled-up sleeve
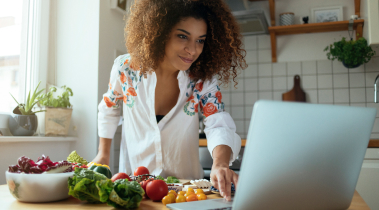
[
  {"x": 109, "y": 107},
  {"x": 220, "y": 128}
]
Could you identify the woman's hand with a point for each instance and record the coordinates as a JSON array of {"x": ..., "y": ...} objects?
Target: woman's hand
[
  {"x": 101, "y": 159},
  {"x": 222, "y": 178},
  {"x": 103, "y": 155}
]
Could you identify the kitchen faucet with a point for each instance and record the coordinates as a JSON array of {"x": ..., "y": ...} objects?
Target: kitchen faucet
[{"x": 376, "y": 89}]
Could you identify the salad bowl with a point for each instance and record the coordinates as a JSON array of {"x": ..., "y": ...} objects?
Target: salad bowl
[{"x": 45, "y": 187}]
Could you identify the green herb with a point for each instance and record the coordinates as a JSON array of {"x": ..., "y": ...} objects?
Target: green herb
[
  {"x": 351, "y": 52},
  {"x": 172, "y": 179},
  {"x": 159, "y": 177},
  {"x": 62, "y": 101},
  {"x": 26, "y": 109}
]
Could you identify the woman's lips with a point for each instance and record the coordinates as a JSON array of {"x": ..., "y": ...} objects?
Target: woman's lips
[{"x": 186, "y": 60}]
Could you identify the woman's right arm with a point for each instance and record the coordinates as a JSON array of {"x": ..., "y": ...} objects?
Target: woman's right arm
[{"x": 109, "y": 112}]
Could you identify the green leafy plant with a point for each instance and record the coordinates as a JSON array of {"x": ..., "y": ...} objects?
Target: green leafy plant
[
  {"x": 352, "y": 53},
  {"x": 62, "y": 101},
  {"x": 26, "y": 109}
]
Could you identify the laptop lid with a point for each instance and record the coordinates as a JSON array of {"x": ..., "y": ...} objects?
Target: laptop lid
[{"x": 303, "y": 156}]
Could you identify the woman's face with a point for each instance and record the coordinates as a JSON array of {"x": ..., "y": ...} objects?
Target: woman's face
[{"x": 185, "y": 44}]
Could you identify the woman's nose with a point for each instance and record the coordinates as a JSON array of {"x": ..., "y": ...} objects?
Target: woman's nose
[{"x": 191, "y": 48}]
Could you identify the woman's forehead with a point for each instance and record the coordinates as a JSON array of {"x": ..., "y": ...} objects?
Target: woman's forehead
[{"x": 196, "y": 27}]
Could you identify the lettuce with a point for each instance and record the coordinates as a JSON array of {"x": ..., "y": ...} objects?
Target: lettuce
[
  {"x": 87, "y": 185},
  {"x": 125, "y": 194}
]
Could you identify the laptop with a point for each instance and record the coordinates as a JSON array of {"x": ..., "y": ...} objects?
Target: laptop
[{"x": 299, "y": 156}]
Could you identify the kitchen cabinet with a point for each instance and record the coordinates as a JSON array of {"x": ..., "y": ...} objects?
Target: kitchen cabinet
[{"x": 368, "y": 182}]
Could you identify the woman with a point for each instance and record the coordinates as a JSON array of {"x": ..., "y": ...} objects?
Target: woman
[{"x": 178, "y": 50}]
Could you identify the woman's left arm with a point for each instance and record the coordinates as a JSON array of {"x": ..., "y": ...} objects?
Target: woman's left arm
[{"x": 223, "y": 142}]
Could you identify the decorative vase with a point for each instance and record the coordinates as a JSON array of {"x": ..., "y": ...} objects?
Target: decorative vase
[
  {"x": 54, "y": 121},
  {"x": 350, "y": 66},
  {"x": 22, "y": 125}
]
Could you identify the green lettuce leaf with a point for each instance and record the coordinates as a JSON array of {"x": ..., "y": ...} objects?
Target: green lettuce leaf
[
  {"x": 172, "y": 179},
  {"x": 90, "y": 186},
  {"x": 125, "y": 194}
]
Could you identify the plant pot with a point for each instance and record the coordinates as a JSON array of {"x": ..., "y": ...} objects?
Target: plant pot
[
  {"x": 350, "y": 66},
  {"x": 22, "y": 125},
  {"x": 54, "y": 121}
]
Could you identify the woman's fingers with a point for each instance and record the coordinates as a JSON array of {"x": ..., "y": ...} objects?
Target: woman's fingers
[
  {"x": 235, "y": 180},
  {"x": 228, "y": 184}
]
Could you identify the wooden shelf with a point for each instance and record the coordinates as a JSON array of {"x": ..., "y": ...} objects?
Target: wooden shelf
[{"x": 311, "y": 27}]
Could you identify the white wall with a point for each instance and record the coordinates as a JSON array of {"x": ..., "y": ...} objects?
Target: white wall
[{"x": 75, "y": 63}]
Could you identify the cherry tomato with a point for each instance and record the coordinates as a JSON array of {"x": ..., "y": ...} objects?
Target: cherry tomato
[
  {"x": 189, "y": 193},
  {"x": 180, "y": 199},
  {"x": 141, "y": 171},
  {"x": 120, "y": 175},
  {"x": 199, "y": 191},
  {"x": 156, "y": 189},
  {"x": 166, "y": 200},
  {"x": 191, "y": 197},
  {"x": 173, "y": 192},
  {"x": 181, "y": 192},
  {"x": 190, "y": 190},
  {"x": 172, "y": 196},
  {"x": 201, "y": 196}
]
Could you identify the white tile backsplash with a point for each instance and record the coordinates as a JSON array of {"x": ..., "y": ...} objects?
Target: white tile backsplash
[
  {"x": 340, "y": 80},
  {"x": 293, "y": 68},
  {"x": 279, "y": 69},
  {"x": 357, "y": 80},
  {"x": 265, "y": 83},
  {"x": 264, "y": 56},
  {"x": 250, "y": 42},
  {"x": 357, "y": 95},
  {"x": 251, "y": 71},
  {"x": 251, "y": 84},
  {"x": 324, "y": 67},
  {"x": 309, "y": 67},
  {"x": 325, "y": 81},
  {"x": 264, "y": 42},
  {"x": 265, "y": 70}
]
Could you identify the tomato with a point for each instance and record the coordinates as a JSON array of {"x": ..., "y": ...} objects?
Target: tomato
[
  {"x": 189, "y": 193},
  {"x": 166, "y": 200},
  {"x": 181, "y": 192},
  {"x": 172, "y": 192},
  {"x": 180, "y": 199},
  {"x": 143, "y": 185},
  {"x": 141, "y": 171},
  {"x": 156, "y": 189},
  {"x": 201, "y": 196},
  {"x": 199, "y": 191},
  {"x": 190, "y": 190},
  {"x": 120, "y": 175},
  {"x": 191, "y": 197},
  {"x": 172, "y": 196}
]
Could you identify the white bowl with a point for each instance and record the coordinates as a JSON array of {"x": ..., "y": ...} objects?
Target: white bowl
[{"x": 38, "y": 187}]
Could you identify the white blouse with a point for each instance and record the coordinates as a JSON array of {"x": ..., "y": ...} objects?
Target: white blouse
[{"x": 170, "y": 147}]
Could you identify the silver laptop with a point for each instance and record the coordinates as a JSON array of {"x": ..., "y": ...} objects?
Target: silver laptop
[{"x": 299, "y": 156}]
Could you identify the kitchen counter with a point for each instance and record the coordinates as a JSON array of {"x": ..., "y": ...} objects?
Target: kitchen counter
[
  {"x": 8, "y": 202},
  {"x": 374, "y": 143}
]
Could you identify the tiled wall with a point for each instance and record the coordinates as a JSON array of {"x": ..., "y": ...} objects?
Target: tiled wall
[{"x": 324, "y": 81}]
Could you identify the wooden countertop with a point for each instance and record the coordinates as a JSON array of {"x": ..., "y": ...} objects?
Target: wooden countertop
[
  {"x": 374, "y": 143},
  {"x": 8, "y": 202}
]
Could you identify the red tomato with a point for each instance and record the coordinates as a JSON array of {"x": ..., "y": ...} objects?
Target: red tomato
[
  {"x": 143, "y": 185},
  {"x": 141, "y": 171},
  {"x": 156, "y": 190},
  {"x": 120, "y": 175}
]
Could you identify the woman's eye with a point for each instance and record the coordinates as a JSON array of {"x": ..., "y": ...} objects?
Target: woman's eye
[
  {"x": 182, "y": 36},
  {"x": 201, "y": 41}
]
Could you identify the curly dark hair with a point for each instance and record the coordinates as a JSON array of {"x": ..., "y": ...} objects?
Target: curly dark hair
[{"x": 150, "y": 22}]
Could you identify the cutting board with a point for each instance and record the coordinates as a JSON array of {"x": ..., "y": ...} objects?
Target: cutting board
[{"x": 296, "y": 94}]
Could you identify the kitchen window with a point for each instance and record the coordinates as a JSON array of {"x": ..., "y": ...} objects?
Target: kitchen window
[{"x": 23, "y": 49}]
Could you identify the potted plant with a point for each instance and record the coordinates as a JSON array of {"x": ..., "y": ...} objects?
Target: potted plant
[
  {"x": 55, "y": 120},
  {"x": 351, "y": 53},
  {"x": 23, "y": 121}
]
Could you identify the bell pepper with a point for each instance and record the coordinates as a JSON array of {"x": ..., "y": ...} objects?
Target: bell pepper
[{"x": 103, "y": 169}]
